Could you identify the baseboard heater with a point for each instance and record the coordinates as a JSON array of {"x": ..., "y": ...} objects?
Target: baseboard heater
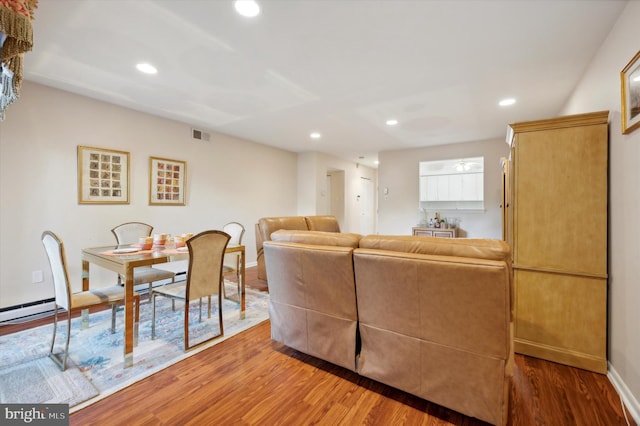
[
  {"x": 24, "y": 310},
  {"x": 16, "y": 312}
]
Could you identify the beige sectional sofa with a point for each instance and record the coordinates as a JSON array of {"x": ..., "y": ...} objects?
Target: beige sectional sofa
[
  {"x": 430, "y": 316},
  {"x": 267, "y": 225}
]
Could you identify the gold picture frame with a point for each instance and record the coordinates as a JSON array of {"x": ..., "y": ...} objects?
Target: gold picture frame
[
  {"x": 103, "y": 176},
  {"x": 630, "y": 88},
  {"x": 167, "y": 182}
]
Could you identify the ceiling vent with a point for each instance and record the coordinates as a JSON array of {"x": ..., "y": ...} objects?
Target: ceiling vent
[{"x": 200, "y": 135}]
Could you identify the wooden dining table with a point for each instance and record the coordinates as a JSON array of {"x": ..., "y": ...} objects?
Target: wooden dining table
[{"x": 125, "y": 263}]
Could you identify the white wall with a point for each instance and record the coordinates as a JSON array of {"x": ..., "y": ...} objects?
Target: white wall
[
  {"x": 398, "y": 172},
  {"x": 228, "y": 179},
  {"x": 600, "y": 90},
  {"x": 312, "y": 190}
]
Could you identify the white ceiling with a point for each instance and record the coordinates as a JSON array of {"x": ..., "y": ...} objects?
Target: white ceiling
[{"x": 339, "y": 67}]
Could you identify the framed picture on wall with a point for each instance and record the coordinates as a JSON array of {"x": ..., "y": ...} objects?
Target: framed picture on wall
[
  {"x": 630, "y": 88},
  {"x": 103, "y": 176},
  {"x": 167, "y": 182}
]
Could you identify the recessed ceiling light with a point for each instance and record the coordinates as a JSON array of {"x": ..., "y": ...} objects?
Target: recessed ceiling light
[
  {"x": 376, "y": 162},
  {"x": 146, "y": 68},
  {"x": 636, "y": 78},
  {"x": 392, "y": 122},
  {"x": 315, "y": 135},
  {"x": 248, "y": 8},
  {"x": 507, "y": 102}
]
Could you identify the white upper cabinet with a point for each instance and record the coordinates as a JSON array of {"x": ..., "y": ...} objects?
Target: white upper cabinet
[{"x": 452, "y": 183}]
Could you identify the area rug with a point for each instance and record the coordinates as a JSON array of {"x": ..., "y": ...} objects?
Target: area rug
[
  {"x": 97, "y": 354},
  {"x": 40, "y": 381}
]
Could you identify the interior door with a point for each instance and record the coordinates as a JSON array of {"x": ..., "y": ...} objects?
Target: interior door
[{"x": 366, "y": 206}]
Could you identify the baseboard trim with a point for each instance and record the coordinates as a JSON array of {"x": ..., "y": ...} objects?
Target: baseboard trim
[
  {"x": 28, "y": 309},
  {"x": 627, "y": 397}
]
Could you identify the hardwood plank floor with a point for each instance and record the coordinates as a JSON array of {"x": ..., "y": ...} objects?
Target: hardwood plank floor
[{"x": 250, "y": 380}]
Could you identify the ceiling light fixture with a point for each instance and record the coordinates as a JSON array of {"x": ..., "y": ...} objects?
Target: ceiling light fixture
[
  {"x": 392, "y": 122},
  {"x": 507, "y": 102},
  {"x": 146, "y": 68},
  {"x": 315, "y": 135},
  {"x": 248, "y": 8}
]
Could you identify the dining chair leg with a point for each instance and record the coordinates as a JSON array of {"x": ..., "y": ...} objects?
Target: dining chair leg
[
  {"x": 136, "y": 322},
  {"x": 153, "y": 316},
  {"x": 186, "y": 325},
  {"x": 66, "y": 345},
  {"x": 114, "y": 308},
  {"x": 55, "y": 327}
]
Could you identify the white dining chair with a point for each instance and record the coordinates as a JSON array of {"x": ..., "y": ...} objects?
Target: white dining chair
[
  {"x": 128, "y": 233},
  {"x": 73, "y": 302},
  {"x": 232, "y": 260}
]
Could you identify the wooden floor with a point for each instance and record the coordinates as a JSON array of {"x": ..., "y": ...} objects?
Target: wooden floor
[{"x": 250, "y": 380}]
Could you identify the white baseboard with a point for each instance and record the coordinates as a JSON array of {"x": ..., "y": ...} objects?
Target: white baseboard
[
  {"x": 627, "y": 397},
  {"x": 26, "y": 311}
]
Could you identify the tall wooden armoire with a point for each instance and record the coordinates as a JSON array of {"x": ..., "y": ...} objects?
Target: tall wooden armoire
[{"x": 557, "y": 211}]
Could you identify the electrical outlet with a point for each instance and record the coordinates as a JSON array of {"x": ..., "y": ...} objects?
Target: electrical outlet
[{"x": 37, "y": 277}]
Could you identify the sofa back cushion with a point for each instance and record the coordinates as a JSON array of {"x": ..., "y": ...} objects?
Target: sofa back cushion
[
  {"x": 461, "y": 247},
  {"x": 317, "y": 237},
  {"x": 322, "y": 223},
  {"x": 436, "y": 326},
  {"x": 312, "y": 300}
]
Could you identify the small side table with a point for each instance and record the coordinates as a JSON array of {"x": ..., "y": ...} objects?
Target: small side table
[{"x": 435, "y": 232}]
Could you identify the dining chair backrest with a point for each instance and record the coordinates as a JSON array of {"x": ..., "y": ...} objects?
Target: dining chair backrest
[
  {"x": 57, "y": 260},
  {"x": 235, "y": 231},
  {"x": 206, "y": 253},
  {"x": 129, "y": 232}
]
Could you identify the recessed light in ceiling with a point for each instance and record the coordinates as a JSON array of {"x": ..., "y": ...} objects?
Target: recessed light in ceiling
[
  {"x": 248, "y": 8},
  {"x": 146, "y": 68},
  {"x": 391, "y": 122},
  {"x": 315, "y": 135},
  {"x": 507, "y": 102}
]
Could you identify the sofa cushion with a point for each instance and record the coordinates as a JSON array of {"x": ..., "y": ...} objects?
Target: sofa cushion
[{"x": 317, "y": 237}]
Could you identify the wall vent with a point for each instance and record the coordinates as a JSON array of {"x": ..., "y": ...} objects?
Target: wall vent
[{"x": 200, "y": 135}]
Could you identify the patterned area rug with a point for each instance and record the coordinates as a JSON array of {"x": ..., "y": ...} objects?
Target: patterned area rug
[
  {"x": 40, "y": 381},
  {"x": 97, "y": 355}
]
